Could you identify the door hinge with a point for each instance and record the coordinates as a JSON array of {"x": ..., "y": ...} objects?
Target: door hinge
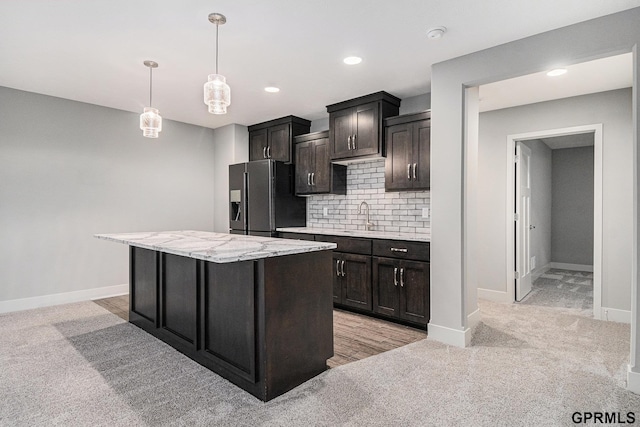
[
  {"x": 516, "y": 158},
  {"x": 516, "y": 217}
]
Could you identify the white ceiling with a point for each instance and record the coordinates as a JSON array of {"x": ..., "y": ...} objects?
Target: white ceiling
[{"x": 92, "y": 51}]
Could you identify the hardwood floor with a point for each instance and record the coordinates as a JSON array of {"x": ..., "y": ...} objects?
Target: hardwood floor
[{"x": 355, "y": 336}]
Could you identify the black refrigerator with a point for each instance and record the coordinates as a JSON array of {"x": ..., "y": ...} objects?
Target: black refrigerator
[{"x": 261, "y": 198}]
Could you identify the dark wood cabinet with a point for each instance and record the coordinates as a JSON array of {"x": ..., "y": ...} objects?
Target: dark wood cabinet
[
  {"x": 380, "y": 277},
  {"x": 401, "y": 289},
  {"x": 315, "y": 174},
  {"x": 356, "y": 126},
  {"x": 273, "y": 139},
  {"x": 408, "y": 144},
  {"x": 352, "y": 280}
]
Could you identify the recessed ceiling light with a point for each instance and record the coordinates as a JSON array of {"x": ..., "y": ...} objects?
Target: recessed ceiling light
[
  {"x": 272, "y": 89},
  {"x": 436, "y": 32},
  {"x": 352, "y": 60},
  {"x": 557, "y": 72}
]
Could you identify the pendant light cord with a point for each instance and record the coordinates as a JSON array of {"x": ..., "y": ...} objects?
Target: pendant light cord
[
  {"x": 217, "y": 47},
  {"x": 150, "y": 84}
]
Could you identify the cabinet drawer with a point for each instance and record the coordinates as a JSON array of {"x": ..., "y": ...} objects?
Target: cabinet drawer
[
  {"x": 297, "y": 236},
  {"x": 352, "y": 245},
  {"x": 418, "y": 251}
]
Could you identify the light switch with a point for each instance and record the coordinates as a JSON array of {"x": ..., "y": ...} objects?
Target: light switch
[
  {"x": 325, "y": 212},
  {"x": 425, "y": 212}
]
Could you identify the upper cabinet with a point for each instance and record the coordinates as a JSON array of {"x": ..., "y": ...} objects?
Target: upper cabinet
[
  {"x": 314, "y": 172},
  {"x": 356, "y": 126},
  {"x": 408, "y": 144},
  {"x": 273, "y": 139}
]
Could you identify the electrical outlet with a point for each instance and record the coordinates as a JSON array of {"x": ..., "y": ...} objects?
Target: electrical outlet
[
  {"x": 325, "y": 212},
  {"x": 425, "y": 212}
]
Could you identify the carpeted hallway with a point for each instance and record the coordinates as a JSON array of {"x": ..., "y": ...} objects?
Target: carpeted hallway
[{"x": 79, "y": 364}]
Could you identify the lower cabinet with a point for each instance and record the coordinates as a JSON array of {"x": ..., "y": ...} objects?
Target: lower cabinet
[
  {"x": 352, "y": 280},
  {"x": 401, "y": 289},
  {"x": 384, "y": 278}
]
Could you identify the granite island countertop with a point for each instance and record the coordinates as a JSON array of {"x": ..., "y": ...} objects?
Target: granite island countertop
[
  {"x": 416, "y": 237},
  {"x": 216, "y": 247}
]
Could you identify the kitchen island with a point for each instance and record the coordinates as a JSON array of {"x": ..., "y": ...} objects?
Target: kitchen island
[{"x": 245, "y": 307}]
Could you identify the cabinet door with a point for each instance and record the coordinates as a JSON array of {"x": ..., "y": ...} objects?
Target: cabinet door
[
  {"x": 337, "y": 278},
  {"x": 385, "y": 286},
  {"x": 366, "y": 129},
  {"x": 340, "y": 133},
  {"x": 356, "y": 281},
  {"x": 279, "y": 141},
  {"x": 414, "y": 291},
  {"x": 304, "y": 167},
  {"x": 321, "y": 167},
  {"x": 398, "y": 164},
  {"x": 257, "y": 144},
  {"x": 421, "y": 154}
]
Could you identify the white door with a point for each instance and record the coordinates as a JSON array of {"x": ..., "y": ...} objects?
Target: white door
[{"x": 523, "y": 221}]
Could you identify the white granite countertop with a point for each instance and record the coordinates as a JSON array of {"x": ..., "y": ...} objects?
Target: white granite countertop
[
  {"x": 216, "y": 247},
  {"x": 417, "y": 237}
]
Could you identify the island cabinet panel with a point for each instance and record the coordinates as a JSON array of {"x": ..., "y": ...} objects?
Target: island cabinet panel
[
  {"x": 228, "y": 317},
  {"x": 178, "y": 303},
  {"x": 143, "y": 291},
  {"x": 298, "y": 319}
]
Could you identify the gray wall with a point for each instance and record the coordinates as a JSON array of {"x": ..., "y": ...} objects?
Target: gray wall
[
  {"x": 69, "y": 170},
  {"x": 541, "y": 178},
  {"x": 613, "y": 110},
  {"x": 572, "y": 206}
]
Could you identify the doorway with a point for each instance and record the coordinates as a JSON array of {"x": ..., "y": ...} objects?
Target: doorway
[{"x": 521, "y": 265}]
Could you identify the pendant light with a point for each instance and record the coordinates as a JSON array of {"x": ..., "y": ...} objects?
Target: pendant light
[
  {"x": 150, "y": 120},
  {"x": 217, "y": 93}
]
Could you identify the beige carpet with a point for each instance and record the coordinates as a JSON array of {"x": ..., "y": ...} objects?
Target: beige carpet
[{"x": 78, "y": 364}]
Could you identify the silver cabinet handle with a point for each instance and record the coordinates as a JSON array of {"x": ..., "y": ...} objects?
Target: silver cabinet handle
[
  {"x": 338, "y": 268},
  {"x": 342, "y": 268},
  {"x": 404, "y": 250},
  {"x": 353, "y": 142},
  {"x": 349, "y": 142},
  {"x": 268, "y": 152},
  {"x": 408, "y": 170},
  {"x": 308, "y": 178},
  {"x": 415, "y": 168},
  {"x": 395, "y": 276},
  {"x": 313, "y": 178},
  {"x": 402, "y": 277},
  {"x": 264, "y": 152}
]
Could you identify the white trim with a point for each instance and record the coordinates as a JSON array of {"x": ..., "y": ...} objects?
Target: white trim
[
  {"x": 491, "y": 295},
  {"x": 62, "y": 298},
  {"x": 536, "y": 273},
  {"x": 473, "y": 319},
  {"x": 633, "y": 381},
  {"x": 574, "y": 267},
  {"x": 454, "y": 337},
  {"x": 615, "y": 315},
  {"x": 597, "y": 205}
]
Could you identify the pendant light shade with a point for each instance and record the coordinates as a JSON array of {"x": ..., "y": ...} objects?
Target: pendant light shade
[
  {"x": 150, "y": 120},
  {"x": 217, "y": 93}
]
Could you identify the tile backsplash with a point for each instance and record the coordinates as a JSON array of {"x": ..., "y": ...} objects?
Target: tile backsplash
[{"x": 398, "y": 211}]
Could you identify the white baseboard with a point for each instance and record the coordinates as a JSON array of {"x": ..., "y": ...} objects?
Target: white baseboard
[
  {"x": 491, "y": 295},
  {"x": 454, "y": 337},
  {"x": 633, "y": 381},
  {"x": 473, "y": 319},
  {"x": 536, "y": 273},
  {"x": 62, "y": 298},
  {"x": 574, "y": 267},
  {"x": 615, "y": 315}
]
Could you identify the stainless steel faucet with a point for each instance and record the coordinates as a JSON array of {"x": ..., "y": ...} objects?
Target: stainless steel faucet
[{"x": 368, "y": 224}]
